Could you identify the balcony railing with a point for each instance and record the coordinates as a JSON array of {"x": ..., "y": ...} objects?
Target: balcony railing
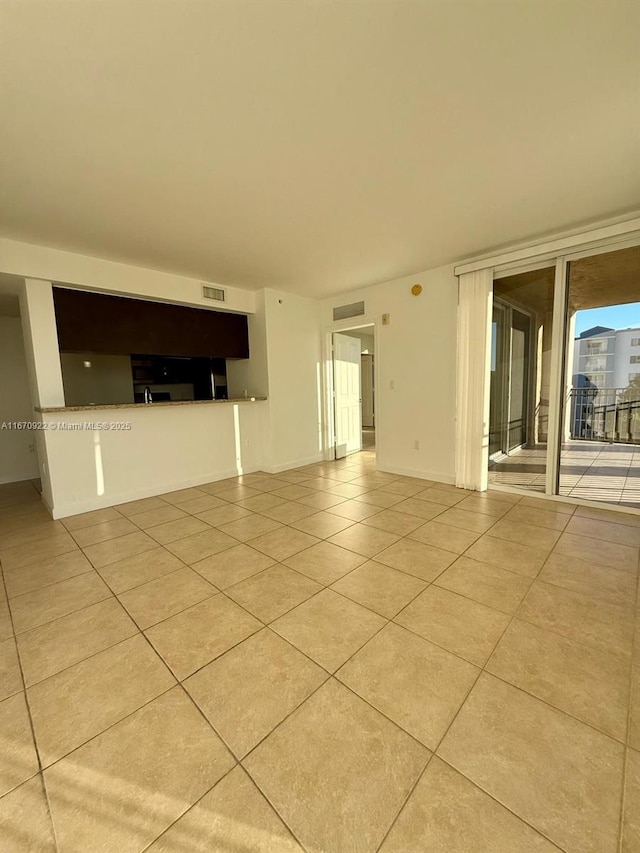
[{"x": 605, "y": 414}]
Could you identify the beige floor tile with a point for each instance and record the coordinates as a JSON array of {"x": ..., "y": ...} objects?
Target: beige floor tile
[
  {"x": 379, "y": 588},
  {"x": 25, "y": 825},
  {"x": 196, "y": 506},
  {"x": 634, "y": 717},
  {"x": 416, "y": 684},
  {"x": 225, "y": 514},
  {"x": 323, "y": 500},
  {"x": 553, "y": 520},
  {"x": 10, "y": 675},
  {"x": 349, "y": 490},
  {"x": 51, "y": 602},
  {"x": 141, "y": 568},
  {"x": 171, "y": 531},
  {"x": 250, "y": 527},
  {"x": 233, "y": 565},
  {"x": 118, "y": 549},
  {"x": 65, "y": 641},
  {"x": 383, "y": 500},
  {"x": 288, "y": 512},
  {"x": 484, "y": 505},
  {"x": 582, "y": 681},
  {"x": 465, "y": 520},
  {"x": 328, "y": 628},
  {"x": 394, "y": 522},
  {"x": 292, "y": 492},
  {"x": 31, "y": 533},
  {"x": 181, "y": 495},
  {"x": 283, "y": 543},
  {"x": 143, "y": 505},
  {"x": 485, "y": 583},
  {"x": 441, "y": 494},
  {"x": 46, "y": 573},
  {"x": 447, "y": 813},
  {"x": 415, "y": 558},
  {"x": 366, "y": 541},
  {"x": 340, "y": 789},
  {"x": 273, "y": 592},
  {"x": 580, "y": 617},
  {"x": 423, "y": 510},
  {"x": 237, "y": 493},
  {"x": 6, "y": 628},
  {"x": 18, "y": 759},
  {"x": 36, "y": 551},
  {"x": 322, "y": 524},
  {"x": 631, "y": 820},
  {"x": 260, "y": 502},
  {"x": 325, "y": 562},
  {"x": 608, "y": 584},
  {"x": 462, "y": 626},
  {"x": 616, "y": 517},
  {"x": 202, "y": 545},
  {"x": 155, "y": 517},
  {"x": 561, "y": 776},
  {"x": 406, "y": 488},
  {"x": 621, "y": 534},
  {"x": 253, "y": 687},
  {"x": 622, "y": 557},
  {"x": 444, "y": 536},
  {"x": 122, "y": 789},
  {"x": 80, "y": 702},
  {"x": 88, "y": 519},
  {"x": 530, "y": 535},
  {"x": 205, "y": 631},
  {"x": 234, "y": 816},
  {"x": 163, "y": 597},
  {"x": 103, "y": 532},
  {"x": 522, "y": 559},
  {"x": 548, "y": 504},
  {"x": 354, "y": 510}
]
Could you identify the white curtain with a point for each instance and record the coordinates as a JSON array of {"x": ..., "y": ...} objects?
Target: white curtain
[{"x": 475, "y": 298}]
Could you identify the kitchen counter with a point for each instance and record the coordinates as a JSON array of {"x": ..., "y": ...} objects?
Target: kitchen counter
[{"x": 104, "y": 406}]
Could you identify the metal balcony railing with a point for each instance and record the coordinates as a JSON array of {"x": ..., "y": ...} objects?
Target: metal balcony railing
[{"x": 605, "y": 414}]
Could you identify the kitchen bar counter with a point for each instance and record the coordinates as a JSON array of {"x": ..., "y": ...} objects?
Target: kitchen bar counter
[{"x": 99, "y": 407}]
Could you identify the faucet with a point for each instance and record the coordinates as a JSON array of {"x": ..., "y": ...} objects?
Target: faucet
[{"x": 147, "y": 395}]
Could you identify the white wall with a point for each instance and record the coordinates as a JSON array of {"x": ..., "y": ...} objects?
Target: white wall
[
  {"x": 294, "y": 434},
  {"x": 83, "y": 271},
  {"x": 92, "y": 378},
  {"x": 416, "y": 353},
  {"x": 251, "y": 374},
  {"x": 17, "y": 461},
  {"x": 167, "y": 448}
]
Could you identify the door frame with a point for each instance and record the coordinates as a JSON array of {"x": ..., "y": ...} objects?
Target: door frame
[{"x": 328, "y": 399}]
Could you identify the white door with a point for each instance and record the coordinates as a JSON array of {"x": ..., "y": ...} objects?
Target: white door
[
  {"x": 346, "y": 383},
  {"x": 366, "y": 381}
]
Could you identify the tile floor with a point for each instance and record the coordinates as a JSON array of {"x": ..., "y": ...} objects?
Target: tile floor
[
  {"x": 330, "y": 660},
  {"x": 590, "y": 471}
]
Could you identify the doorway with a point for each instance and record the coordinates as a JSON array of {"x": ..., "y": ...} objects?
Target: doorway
[{"x": 354, "y": 390}]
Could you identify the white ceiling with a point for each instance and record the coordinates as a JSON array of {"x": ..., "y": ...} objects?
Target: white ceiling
[{"x": 313, "y": 146}]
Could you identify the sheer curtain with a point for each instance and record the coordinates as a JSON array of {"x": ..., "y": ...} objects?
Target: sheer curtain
[{"x": 475, "y": 299}]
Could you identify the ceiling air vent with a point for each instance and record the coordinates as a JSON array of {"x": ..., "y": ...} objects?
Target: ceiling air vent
[
  {"x": 356, "y": 309},
  {"x": 216, "y": 293}
]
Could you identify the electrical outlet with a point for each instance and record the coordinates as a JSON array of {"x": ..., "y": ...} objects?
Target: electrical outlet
[
  {"x": 31, "y": 448},
  {"x": 416, "y": 445},
  {"x": 392, "y": 385}
]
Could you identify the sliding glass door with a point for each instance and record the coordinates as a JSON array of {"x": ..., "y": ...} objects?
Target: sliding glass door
[{"x": 510, "y": 379}]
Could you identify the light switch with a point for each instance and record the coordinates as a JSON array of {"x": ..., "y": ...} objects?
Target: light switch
[{"x": 386, "y": 319}]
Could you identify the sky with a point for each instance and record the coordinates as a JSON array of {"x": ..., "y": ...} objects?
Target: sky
[{"x": 614, "y": 317}]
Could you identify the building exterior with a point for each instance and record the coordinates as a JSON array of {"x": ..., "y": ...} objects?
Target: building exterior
[{"x": 606, "y": 362}]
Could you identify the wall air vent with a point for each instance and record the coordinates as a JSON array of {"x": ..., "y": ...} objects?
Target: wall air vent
[
  {"x": 343, "y": 312},
  {"x": 215, "y": 293}
]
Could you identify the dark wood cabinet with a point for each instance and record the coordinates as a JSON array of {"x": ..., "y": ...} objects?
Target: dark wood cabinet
[{"x": 96, "y": 322}]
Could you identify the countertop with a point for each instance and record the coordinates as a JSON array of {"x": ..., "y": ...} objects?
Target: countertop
[{"x": 53, "y": 409}]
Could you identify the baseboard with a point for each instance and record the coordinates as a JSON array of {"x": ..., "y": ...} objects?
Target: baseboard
[
  {"x": 64, "y": 510},
  {"x": 18, "y": 478},
  {"x": 297, "y": 463},
  {"x": 420, "y": 475}
]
